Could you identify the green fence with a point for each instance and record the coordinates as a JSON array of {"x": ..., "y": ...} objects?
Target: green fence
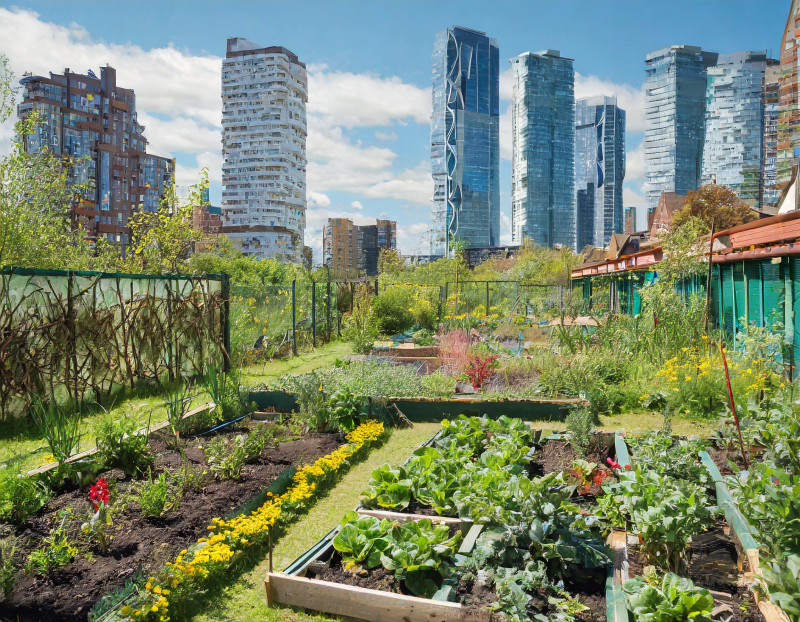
[
  {"x": 80, "y": 335},
  {"x": 755, "y": 292}
]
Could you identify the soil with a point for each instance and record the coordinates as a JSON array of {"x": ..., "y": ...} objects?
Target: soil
[
  {"x": 555, "y": 456},
  {"x": 474, "y": 595},
  {"x": 744, "y": 607},
  {"x": 713, "y": 560},
  {"x": 597, "y": 608},
  {"x": 636, "y": 562},
  {"x": 140, "y": 544},
  {"x": 415, "y": 507},
  {"x": 723, "y": 457},
  {"x": 376, "y": 579}
]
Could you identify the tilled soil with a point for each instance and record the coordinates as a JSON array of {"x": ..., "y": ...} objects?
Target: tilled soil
[
  {"x": 555, "y": 456},
  {"x": 140, "y": 543},
  {"x": 376, "y": 579},
  {"x": 723, "y": 457}
]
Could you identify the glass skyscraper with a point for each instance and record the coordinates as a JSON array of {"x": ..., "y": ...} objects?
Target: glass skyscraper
[
  {"x": 675, "y": 108},
  {"x": 543, "y": 153},
  {"x": 733, "y": 150},
  {"x": 465, "y": 139},
  {"x": 599, "y": 169}
]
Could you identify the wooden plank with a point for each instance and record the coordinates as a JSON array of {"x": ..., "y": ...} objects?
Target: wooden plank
[
  {"x": 91, "y": 452},
  {"x": 361, "y": 603},
  {"x": 469, "y": 540},
  {"x": 618, "y": 543},
  {"x": 400, "y": 517}
]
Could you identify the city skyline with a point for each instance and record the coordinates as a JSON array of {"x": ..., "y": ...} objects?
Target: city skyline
[{"x": 367, "y": 158}]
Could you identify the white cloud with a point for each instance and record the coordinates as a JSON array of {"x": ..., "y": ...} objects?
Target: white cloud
[
  {"x": 356, "y": 205},
  {"x": 412, "y": 239},
  {"x": 179, "y": 135},
  {"x": 386, "y": 135},
  {"x": 506, "y": 138},
  {"x": 505, "y": 229},
  {"x": 634, "y": 163},
  {"x": 317, "y": 199},
  {"x": 186, "y": 176},
  {"x": 364, "y": 100}
]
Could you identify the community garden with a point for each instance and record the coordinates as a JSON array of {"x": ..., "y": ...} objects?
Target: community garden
[{"x": 582, "y": 466}]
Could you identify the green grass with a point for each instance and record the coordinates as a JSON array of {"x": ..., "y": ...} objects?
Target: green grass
[
  {"x": 304, "y": 363},
  {"x": 22, "y": 447},
  {"x": 246, "y": 600},
  {"x": 635, "y": 423}
]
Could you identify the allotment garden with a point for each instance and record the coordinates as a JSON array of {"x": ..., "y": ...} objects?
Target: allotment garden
[{"x": 442, "y": 443}]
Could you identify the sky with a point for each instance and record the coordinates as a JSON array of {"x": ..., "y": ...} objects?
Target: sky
[{"x": 369, "y": 68}]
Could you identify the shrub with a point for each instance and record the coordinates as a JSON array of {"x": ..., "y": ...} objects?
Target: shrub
[
  {"x": 223, "y": 387},
  {"x": 253, "y": 444},
  {"x": 225, "y": 461},
  {"x": 57, "y": 551},
  {"x": 454, "y": 352},
  {"x": 21, "y": 497},
  {"x": 345, "y": 410},
  {"x": 424, "y": 338},
  {"x": 392, "y": 310},
  {"x": 156, "y": 497},
  {"x": 438, "y": 385},
  {"x": 120, "y": 445},
  {"x": 425, "y": 314},
  {"x": 580, "y": 423},
  {"x": 58, "y": 423},
  {"x": 479, "y": 370},
  {"x": 361, "y": 326}
]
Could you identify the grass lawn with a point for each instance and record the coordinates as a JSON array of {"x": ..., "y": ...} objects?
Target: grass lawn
[
  {"x": 304, "y": 363},
  {"x": 634, "y": 423},
  {"x": 22, "y": 447},
  {"x": 246, "y": 600}
]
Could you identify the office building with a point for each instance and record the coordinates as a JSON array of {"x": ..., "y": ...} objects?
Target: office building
[
  {"x": 543, "y": 201},
  {"x": 264, "y": 95},
  {"x": 599, "y": 169},
  {"x": 788, "y": 108},
  {"x": 349, "y": 247},
  {"x": 465, "y": 139},
  {"x": 93, "y": 121},
  {"x": 770, "y": 187},
  {"x": 733, "y": 149},
  {"x": 630, "y": 220},
  {"x": 675, "y": 109}
]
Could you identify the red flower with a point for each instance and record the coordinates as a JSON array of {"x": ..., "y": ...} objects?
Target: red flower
[
  {"x": 628, "y": 467},
  {"x": 99, "y": 493},
  {"x": 612, "y": 464}
]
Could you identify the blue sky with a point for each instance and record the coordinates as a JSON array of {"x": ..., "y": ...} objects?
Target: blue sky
[{"x": 369, "y": 75}]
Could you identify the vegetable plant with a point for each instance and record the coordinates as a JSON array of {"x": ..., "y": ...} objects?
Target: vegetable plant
[
  {"x": 673, "y": 599},
  {"x": 57, "y": 551},
  {"x": 155, "y": 497},
  {"x": 225, "y": 460},
  {"x": 121, "y": 446},
  {"x": 782, "y": 577},
  {"x": 361, "y": 541},
  {"x": 21, "y": 497},
  {"x": 58, "y": 423},
  {"x": 387, "y": 488}
]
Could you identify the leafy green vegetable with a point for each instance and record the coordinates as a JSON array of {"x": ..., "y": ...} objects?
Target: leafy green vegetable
[
  {"x": 388, "y": 488},
  {"x": 782, "y": 577},
  {"x": 674, "y": 599},
  {"x": 361, "y": 541}
]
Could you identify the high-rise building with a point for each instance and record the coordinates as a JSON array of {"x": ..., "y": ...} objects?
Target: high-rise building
[
  {"x": 346, "y": 246},
  {"x": 769, "y": 169},
  {"x": 465, "y": 139},
  {"x": 599, "y": 169},
  {"x": 789, "y": 97},
  {"x": 94, "y": 122},
  {"x": 733, "y": 149},
  {"x": 630, "y": 220},
  {"x": 264, "y": 94},
  {"x": 675, "y": 108},
  {"x": 543, "y": 201}
]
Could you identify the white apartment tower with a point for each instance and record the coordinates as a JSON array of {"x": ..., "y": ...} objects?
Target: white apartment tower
[{"x": 264, "y": 95}]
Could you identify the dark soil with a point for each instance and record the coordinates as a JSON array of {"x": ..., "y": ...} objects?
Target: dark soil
[
  {"x": 713, "y": 560},
  {"x": 723, "y": 457},
  {"x": 555, "y": 456},
  {"x": 744, "y": 607},
  {"x": 140, "y": 543},
  {"x": 376, "y": 579},
  {"x": 474, "y": 595},
  {"x": 636, "y": 562},
  {"x": 597, "y": 608},
  {"x": 415, "y": 507}
]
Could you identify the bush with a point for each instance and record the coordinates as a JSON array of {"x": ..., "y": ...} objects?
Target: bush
[
  {"x": 224, "y": 461},
  {"x": 580, "y": 423},
  {"x": 392, "y": 310},
  {"x": 253, "y": 444},
  {"x": 57, "y": 551},
  {"x": 156, "y": 497},
  {"x": 6, "y": 568},
  {"x": 438, "y": 385},
  {"x": 424, "y": 338},
  {"x": 223, "y": 387},
  {"x": 345, "y": 410},
  {"x": 454, "y": 352},
  {"x": 425, "y": 313},
  {"x": 361, "y": 326},
  {"x": 120, "y": 446},
  {"x": 21, "y": 497}
]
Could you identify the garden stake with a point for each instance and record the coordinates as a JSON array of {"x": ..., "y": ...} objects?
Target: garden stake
[
  {"x": 733, "y": 406},
  {"x": 269, "y": 535}
]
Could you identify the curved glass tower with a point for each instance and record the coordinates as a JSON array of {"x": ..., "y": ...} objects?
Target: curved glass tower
[{"x": 465, "y": 140}]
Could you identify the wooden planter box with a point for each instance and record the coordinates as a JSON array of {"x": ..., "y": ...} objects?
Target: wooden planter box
[{"x": 358, "y": 603}]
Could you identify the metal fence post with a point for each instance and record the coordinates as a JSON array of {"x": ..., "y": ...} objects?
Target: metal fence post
[
  {"x": 294, "y": 317},
  {"x": 376, "y": 287},
  {"x": 328, "y": 310},
  {"x": 226, "y": 320},
  {"x": 487, "y": 297},
  {"x": 313, "y": 314}
]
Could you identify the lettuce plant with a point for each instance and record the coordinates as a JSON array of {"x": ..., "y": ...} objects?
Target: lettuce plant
[
  {"x": 387, "y": 488},
  {"x": 674, "y": 599},
  {"x": 361, "y": 541}
]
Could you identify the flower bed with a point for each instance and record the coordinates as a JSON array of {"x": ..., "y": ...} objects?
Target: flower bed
[{"x": 199, "y": 567}]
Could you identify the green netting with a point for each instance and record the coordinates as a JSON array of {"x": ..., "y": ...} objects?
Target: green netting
[
  {"x": 728, "y": 318},
  {"x": 755, "y": 294},
  {"x": 740, "y": 296},
  {"x": 774, "y": 292},
  {"x": 84, "y": 335}
]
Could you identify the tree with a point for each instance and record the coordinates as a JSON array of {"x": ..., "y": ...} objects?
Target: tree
[
  {"x": 390, "y": 262},
  {"x": 162, "y": 241},
  {"x": 36, "y": 199},
  {"x": 714, "y": 203}
]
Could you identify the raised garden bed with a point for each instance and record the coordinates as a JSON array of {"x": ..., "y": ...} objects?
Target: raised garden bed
[{"x": 140, "y": 544}]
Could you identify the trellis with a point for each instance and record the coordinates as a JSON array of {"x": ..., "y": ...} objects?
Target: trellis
[{"x": 85, "y": 335}]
